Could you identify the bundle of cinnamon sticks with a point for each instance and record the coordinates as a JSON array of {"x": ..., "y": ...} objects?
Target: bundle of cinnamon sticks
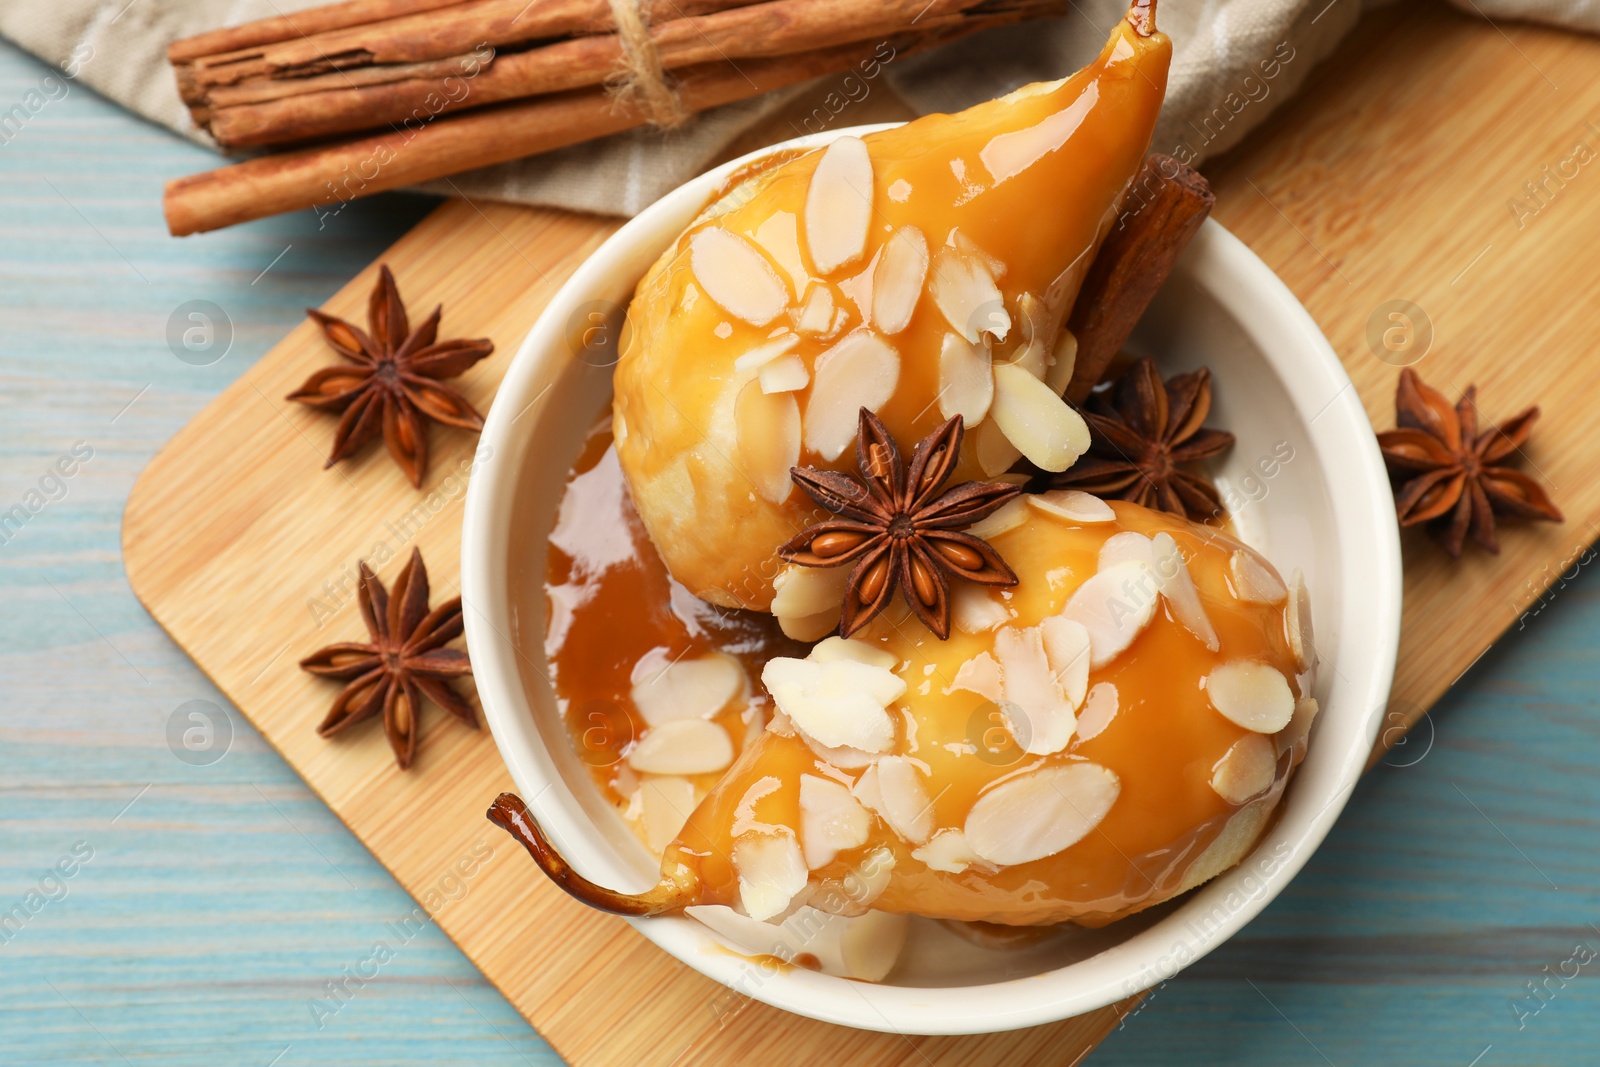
[{"x": 368, "y": 95}]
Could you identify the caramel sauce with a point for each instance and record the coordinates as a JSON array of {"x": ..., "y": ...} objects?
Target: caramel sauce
[{"x": 614, "y": 615}]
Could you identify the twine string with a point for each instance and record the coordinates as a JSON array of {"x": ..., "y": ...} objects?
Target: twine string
[{"x": 642, "y": 81}]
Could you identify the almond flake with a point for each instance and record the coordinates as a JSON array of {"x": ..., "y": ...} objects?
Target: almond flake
[
  {"x": 736, "y": 276},
  {"x": 995, "y": 453},
  {"x": 1252, "y": 695},
  {"x": 839, "y": 704},
  {"x": 979, "y": 675},
  {"x": 764, "y": 353},
  {"x": 897, "y": 282},
  {"x": 785, "y": 375},
  {"x": 893, "y": 788},
  {"x": 682, "y": 746},
  {"x": 666, "y": 804},
  {"x": 1254, "y": 581},
  {"x": 1038, "y": 422},
  {"x": 771, "y": 871},
  {"x": 799, "y": 591},
  {"x": 1066, "y": 645},
  {"x": 975, "y": 610},
  {"x": 1074, "y": 505},
  {"x": 838, "y": 648},
  {"x": 966, "y": 380},
  {"x": 1127, "y": 546},
  {"x": 1177, "y": 585},
  {"x": 965, "y": 293},
  {"x": 1065, "y": 362},
  {"x": 842, "y": 757},
  {"x": 839, "y": 205},
  {"x": 1034, "y": 354},
  {"x": 867, "y": 880},
  {"x": 1035, "y": 709},
  {"x": 1114, "y": 605},
  {"x": 689, "y": 689},
  {"x": 779, "y": 237},
  {"x": 947, "y": 851},
  {"x": 1040, "y": 813},
  {"x": 831, "y": 820},
  {"x": 860, "y": 371},
  {"x": 1297, "y": 734},
  {"x": 1009, "y": 517},
  {"x": 1297, "y": 624},
  {"x": 1245, "y": 770},
  {"x": 816, "y": 317},
  {"x": 1099, "y": 708},
  {"x": 767, "y": 428}
]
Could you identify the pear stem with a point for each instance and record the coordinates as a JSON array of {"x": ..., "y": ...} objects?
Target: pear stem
[
  {"x": 510, "y": 814},
  {"x": 1142, "y": 17}
]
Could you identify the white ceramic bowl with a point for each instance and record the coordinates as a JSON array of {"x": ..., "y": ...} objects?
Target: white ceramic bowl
[{"x": 1308, "y": 488}]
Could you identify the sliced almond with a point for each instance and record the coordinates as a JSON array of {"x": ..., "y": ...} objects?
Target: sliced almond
[
  {"x": 1099, "y": 708},
  {"x": 994, "y": 451},
  {"x": 1036, "y": 710},
  {"x": 771, "y": 871},
  {"x": 1297, "y": 734},
  {"x": 979, "y": 675},
  {"x": 767, "y": 427},
  {"x": 865, "y": 882},
  {"x": 839, "y": 205},
  {"x": 838, "y": 703},
  {"x": 1128, "y": 546},
  {"x": 779, "y": 237},
  {"x": 1254, "y": 581},
  {"x": 966, "y": 380},
  {"x": 834, "y": 649},
  {"x": 816, "y": 317},
  {"x": 1073, "y": 505},
  {"x": 665, "y": 804},
  {"x": 893, "y": 788},
  {"x": 1038, "y": 422},
  {"x": 1065, "y": 356},
  {"x": 971, "y": 250},
  {"x": 863, "y": 947},
  {"x": 964, "y": 291},
  {"x": 1009, "y": 517},
  {"x": 860, "y": 371},
  {"x": 764, "y": 353},
  {"x": 1066, "y": 645},
  {"x": 897, "y": 281},
  {"x": 1040, "y": 813},
  {"x": 689, "y": 689},
  {"x": 831, "y": 820},
  {"x": 736, "y": 276},
  {"x": 1297, "y": 624},
  {"x": 1033, "y": 355},
  {"x": 1252, "y": 695},
  {"x": 947, "y": 851},
  {"x": 801, "y": 591},
  {"x": 1114, "y": 605},
  {"x": 785, "y": 374},
  {"x": 1177, "y": 585},
  {"x": 1246, "y": 770},
  {"x": 975, "y": 610},
  {"x": 842, "y": 757},
  {"x": 682, "y": 746}
]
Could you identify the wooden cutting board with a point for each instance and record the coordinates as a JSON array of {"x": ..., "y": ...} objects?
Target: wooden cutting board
[{"x": 1391, "y": 177}]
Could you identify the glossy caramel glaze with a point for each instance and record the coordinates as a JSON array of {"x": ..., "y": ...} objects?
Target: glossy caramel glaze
[
  {"x": 1163, "y": 745},
  {"x": 1032, "y": 180}
]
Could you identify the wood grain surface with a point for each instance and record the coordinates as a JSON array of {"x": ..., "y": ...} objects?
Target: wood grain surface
[{"x": 1384, "y": 913}]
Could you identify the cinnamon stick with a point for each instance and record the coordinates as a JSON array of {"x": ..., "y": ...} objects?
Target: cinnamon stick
[
  {"x": 773, "y": 28},
  {"x": 1165, "y": 206},
  {"x": 325, "y": 176},
  {"x": 300, "y": 24}
]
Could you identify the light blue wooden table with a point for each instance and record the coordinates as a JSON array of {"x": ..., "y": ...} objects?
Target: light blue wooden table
[{"x": 208, "y": 906}]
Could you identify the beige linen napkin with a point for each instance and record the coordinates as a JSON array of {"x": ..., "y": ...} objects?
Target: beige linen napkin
[{"x": 1234, "y": 61}]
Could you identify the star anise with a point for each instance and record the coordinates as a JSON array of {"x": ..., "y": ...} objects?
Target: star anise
[
  {"x": 394, "y": 384},
  {"x": 898, "y": 528},
  {"x": 1142, "y": 435},
  {"x": 405, "y": 660},
  {"x": 1447, "y": 473}
]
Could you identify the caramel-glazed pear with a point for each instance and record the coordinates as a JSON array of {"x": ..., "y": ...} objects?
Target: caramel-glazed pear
[
  {"x": 921, "y": 272},
  {"x": 1114, "y": 730}
]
